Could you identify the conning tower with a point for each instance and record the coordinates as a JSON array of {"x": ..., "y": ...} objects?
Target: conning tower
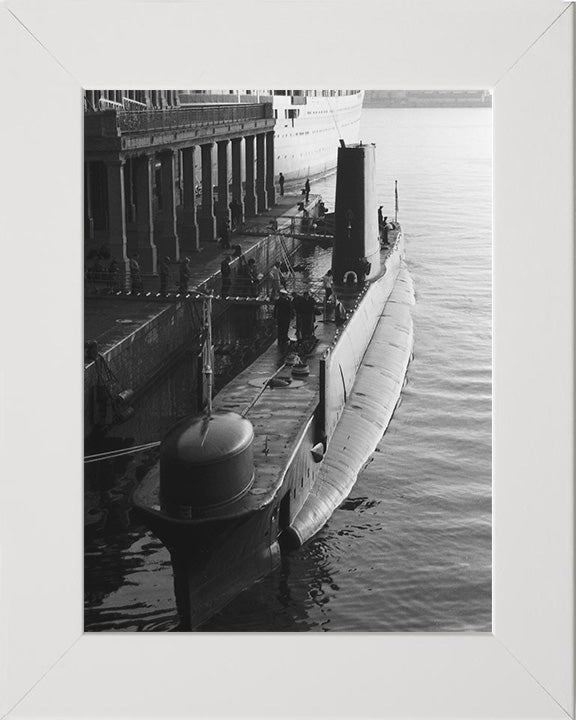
[{"x": 356, "y": 219}]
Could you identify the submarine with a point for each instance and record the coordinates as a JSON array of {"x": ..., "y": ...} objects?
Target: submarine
[{"x": 270, "y": 459}]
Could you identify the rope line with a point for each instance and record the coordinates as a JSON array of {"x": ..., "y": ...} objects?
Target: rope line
[
  {"x": 260, "y": 392},
  {"x": 98, "y": 457}
]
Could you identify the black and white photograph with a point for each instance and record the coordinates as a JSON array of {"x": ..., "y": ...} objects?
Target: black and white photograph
[
  {"x": 282, "y": 361},
  {"x": 288, "y": 362}
]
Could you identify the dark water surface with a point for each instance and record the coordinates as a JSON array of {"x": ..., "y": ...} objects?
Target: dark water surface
[{"x": 410, "y": 550}]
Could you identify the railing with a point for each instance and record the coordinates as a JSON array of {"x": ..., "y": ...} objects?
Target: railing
[
  {"x": 303, "y": 228},
  {"x": 147, "y": 120}
]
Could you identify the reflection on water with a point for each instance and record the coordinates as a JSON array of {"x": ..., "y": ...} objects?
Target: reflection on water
[{"x": 410, "y": 550}]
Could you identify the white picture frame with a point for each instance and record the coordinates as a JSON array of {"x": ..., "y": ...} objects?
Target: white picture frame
[{"x": 50, "y": 50}]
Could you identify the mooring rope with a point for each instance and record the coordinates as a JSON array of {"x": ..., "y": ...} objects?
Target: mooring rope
[
  {"x": 112, "y": 454},
  {"x": 259, "y": 395}
]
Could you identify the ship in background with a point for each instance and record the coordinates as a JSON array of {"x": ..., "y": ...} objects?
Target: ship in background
[{"x": 309, "y": 124}]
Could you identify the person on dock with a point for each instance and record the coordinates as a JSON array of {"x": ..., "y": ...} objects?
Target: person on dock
[
  {"x": 284, "y": 274},
  {"x": 252, "y": 278},
  {"x": 225, "y": 235},
  {"x": 276, "y": 281},
  {"x": 283, "y": 314},
  {"x": 184, "y": 274},
  {"x": 164, "y": 273},
  {"x": 226, "y": 274},
  {"x": 281, "y": 183},
  {"x": 242, "y": 282},
  {"x": 307, "y": 189},
  {"x": 234, "y": 215},
  {"x": 114, "y": 276},
  {"x": 135, "y": 274}
]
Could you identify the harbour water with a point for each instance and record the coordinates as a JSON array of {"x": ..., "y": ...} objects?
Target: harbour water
[{"x": 410, "y": 550}]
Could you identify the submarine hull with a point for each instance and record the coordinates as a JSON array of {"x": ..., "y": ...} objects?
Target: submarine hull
[
  {"x": 369, "y": 404},
  {"x": 307, "y": 443},
  {"x": 215, "y": 561}
]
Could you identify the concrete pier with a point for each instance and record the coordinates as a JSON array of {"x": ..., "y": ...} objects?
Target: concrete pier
[
  {"x": 137, "y": 335},
  {"x": 143, "y": 168}
]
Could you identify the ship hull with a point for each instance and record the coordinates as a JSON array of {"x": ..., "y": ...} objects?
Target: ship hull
[
  {"x": 368, "y": 408},
  {"x": 307, "y": 131},
  {"x": 305, "y": 146},
  {"x": 215, "y": 561}
]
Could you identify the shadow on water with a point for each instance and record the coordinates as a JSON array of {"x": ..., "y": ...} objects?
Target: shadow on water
[
  {"x": 119, "y": 551},
  {"x": 294, "y": 598}
]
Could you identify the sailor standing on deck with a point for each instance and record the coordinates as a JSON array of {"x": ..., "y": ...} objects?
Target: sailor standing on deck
[
  {"x": 327, "y": 283},
  {"x": 384, "y": 227},
  {"x": 363, "y": 270},
  {"x": 276, "y": 278},
  {"x": 281, "y": 183},
  {"x": 283, "y": 312},
  {"x": 297, "y": 305},
  {"x": 307, "y": 189},
  {"x": 308, "y": 315}
]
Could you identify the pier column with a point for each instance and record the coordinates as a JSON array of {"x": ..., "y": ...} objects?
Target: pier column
[
  {"x": 270, "y": 189},
  {"x": 249, "y": 196},
  {"x": 189, "y": 235},
  {"x": 222, "y": 210},
  {"x": 168, "y": 242},
  {"x": 129, "y": 190},
  {"x": 206, "y": 220},
  {"x": 237, "y": 176},
  {"x": 117, "y": 212},
  {"x": 88, "y": 217},
  {"x": 143, "y": 177},
  {"x": 261, "y": 203}
]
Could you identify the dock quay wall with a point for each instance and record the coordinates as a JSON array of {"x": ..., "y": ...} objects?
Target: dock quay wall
[
  {"x": 140, "y": 356},
  {"x": 137, "y": 358}
]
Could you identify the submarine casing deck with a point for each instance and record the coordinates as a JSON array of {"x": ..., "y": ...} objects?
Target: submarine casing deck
[{"x": 281, "y": 417}]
